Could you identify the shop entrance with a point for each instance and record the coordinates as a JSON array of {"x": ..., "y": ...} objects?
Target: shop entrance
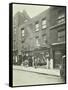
[
  {"x": 42, "y": 58},
  {"x": 58, "y": 53},
  {"x": 57, "y": 59}
]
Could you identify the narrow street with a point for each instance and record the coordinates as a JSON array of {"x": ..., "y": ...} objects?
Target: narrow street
[{"x": 29, "y": 78}]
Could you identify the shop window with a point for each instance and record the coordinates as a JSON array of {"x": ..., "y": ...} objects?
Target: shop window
[{"x": 44, "y": 23}]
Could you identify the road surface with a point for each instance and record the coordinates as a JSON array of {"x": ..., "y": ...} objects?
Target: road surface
[{"x": 28, "y": 78}]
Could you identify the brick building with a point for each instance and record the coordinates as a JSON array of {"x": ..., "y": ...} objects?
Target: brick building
[
  {"x": 18, "y": 19},
  {"x": 34, "y": 36},
  {"x": 42, "y": 36},
  {"x": 57, "y": 34}
]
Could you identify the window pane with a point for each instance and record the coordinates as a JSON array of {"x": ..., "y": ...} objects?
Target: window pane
[
  {"x": 37, "y": 29},
  {"x": 61, "y": 18},
  {"x": 22, "y": 30},
  {"x": 37, "y": 42},
  {"x": 37, "y": 26},
  {"x": 44, "y": 39},
  {"x": 61, "y": 35},
  {"x": 61, "y": 38},
  {"x": 43, "y": 23},
  {"x": 44, "y": 26}
]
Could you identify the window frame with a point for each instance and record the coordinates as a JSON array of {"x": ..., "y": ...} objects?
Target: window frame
[
  {"x": 37, "y": 41},
  {"x": 59, "y": 35},
  {"x": 37, "y": 27},
  {"x": 22, "y": 33},
  {"x": 44, "y": 25},
  {"x": 61, "y": 18},
  {"x": 44, "y": 39}
]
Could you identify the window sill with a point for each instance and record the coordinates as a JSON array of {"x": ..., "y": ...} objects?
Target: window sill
[
  {"x": 44, "y": 28},
  {"x": 37, "y": 31}
]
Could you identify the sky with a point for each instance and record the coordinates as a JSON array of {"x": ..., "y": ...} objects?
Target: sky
[{"x": 32, "y": 10}]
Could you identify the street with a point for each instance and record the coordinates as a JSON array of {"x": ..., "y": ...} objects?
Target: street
[{"x": 21, "y": 78}]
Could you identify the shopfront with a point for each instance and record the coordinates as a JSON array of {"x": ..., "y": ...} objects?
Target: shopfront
[
  {"x": 38, "y": 57},
  {"x": 42, "y": 57},
  {"x": 58, "y": 53}
]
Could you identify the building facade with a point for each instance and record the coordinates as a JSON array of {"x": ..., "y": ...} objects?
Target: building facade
[
  {"x": 43, "y": 36},
  {"x": 19, "y": 19},
  {"x": 58, "y": 34}
]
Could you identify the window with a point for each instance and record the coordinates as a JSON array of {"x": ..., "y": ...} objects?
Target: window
[
  {"x": 44, "y": 38},
  {"x": 22, "y": 30},
  {"x": 37, "y": 26},
  {"x": 61, "y": 35},
  {"x": 37, "y": 41},
  {"x": 61, "y": 18},
  {"x": 44, "y": 24}
]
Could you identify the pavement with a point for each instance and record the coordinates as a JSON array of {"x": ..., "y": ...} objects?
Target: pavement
[{"x": 53, "y": 72}]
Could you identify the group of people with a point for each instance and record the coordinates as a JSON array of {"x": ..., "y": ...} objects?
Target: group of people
[{"x": 28, "y": 60}]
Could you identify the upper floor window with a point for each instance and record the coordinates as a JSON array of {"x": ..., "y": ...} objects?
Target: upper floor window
[
  {"x": 37, "y": 41},
  {"x": 61, "y": 35},
  {"x": 22, "y": 31},
  {"x": 44, "y": 23},
  {"x": 44, "y": 38},
  {"x": 61, "y": 18},
  {"x": 37, "y": 26}
]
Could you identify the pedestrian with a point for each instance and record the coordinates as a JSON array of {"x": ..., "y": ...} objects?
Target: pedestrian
[{"x": 36, "y": 62}]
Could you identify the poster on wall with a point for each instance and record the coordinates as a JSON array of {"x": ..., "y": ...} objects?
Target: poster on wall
[{"x": 37, "y": 44}]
